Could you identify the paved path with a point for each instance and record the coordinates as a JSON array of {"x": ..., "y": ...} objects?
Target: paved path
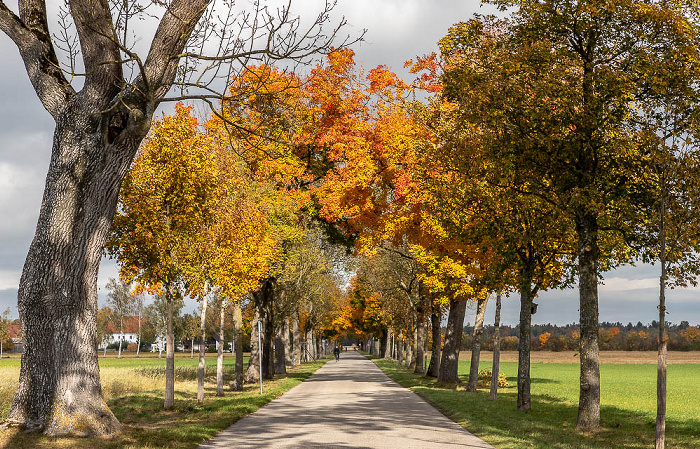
[{"x": 347, "y": 404}]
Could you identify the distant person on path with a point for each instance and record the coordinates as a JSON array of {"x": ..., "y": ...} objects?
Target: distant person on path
[{"x": 336, "y": 353}]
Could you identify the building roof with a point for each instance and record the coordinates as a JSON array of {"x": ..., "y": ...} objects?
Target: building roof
[{"x": 14, "y": 331}]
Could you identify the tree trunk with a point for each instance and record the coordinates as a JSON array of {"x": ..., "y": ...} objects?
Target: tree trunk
[
  {"x": 588, "y": 253},
  {"x": 296, "y": 332},
  {"x": 202, "y": 361},
  {"x": 253, "y": 372},
  {"x": 138, "y": 343},
  {"x": 267, "y": 297},
  {"x": 287, "y": 345},
  {"x": 495, "y": 369},
  {"x": 170, "y": 354},
  {"x": 400, "y": 348},
  {"x": 387, "y": 346},
  {"x": 435, "y": 322},
  {"x": 523, "y": 402},
  {"x": 121, "y": 336},
  {"x": 384, "y": 342},
  {"x": 280, "y": 353},
  {"x": 660, "y": 439},
  {"x": 476, "y": 344},
  {"x": 419, "y": 336},
  {"x": 220, "y": 354},
  {"x": 238, "y": 345},
  {"x": 453, "y": 341}
]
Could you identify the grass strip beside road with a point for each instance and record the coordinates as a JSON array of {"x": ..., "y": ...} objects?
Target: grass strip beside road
[
  {"x": 145, "y": 423},
  {"x": 627, "y": 409}
]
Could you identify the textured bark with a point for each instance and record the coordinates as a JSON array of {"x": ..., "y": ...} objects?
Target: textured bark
[
  {"x": 267, "y": 307},
  {"x": 138, "y": 345},
  {"x": 435, "y": 322},
  {"x": 384, "y": 343},
  {"x": 296, "y": 332},
  {"x": 386, "y": 353},
  {"x": 523, "y": 402},
  {"x": 420, "y": 342},
  {"x": 287, "y": 344},
  {"x": 476, "y": 344},
  {"x": 169, "y": 400},
  {"x": 98, "y": 131},
  {"x": 238, "y": 345},
  {"x": 253, "y": 372},
  {"x": 660, "y": 438},
  {"x": 280, "y": 352},
  {"x": 220, "y": 354},
  {"x": 453, "y": 341},
  {"x": 495, "y": 366},
  {"x": 588, "y": 253},
  {"x": 202, "y": 361}
]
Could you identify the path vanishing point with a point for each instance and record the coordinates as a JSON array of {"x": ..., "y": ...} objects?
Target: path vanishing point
[{"x": 347, "y": 404}]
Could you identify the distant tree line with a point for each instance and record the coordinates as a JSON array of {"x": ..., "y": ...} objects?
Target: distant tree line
[{"x": 612, "y": 337}]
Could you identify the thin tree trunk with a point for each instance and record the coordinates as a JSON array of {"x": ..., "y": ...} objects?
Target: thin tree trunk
[
  {"x": 296, "y": 354},
  {"x": 253, "y": 372},
  {"x": 220, "y": 354},
  {"x": 387, "y": 347},
  {"x": 138, "y": 346},
  {"x": 202, "y": 361},
  {"x": 523, "y": 402},
  {"x": 121, "y": 336},
  {"x": 588, "y": 253},
  {"x": 280, "y": 353},
  {"x": 476, "y": 344},
  {"x": 287, "y": 344},
  {"x": 435, "y": 322},
  {"x": 238, "y": 345},
  {"x": 496, "y": 349},
  {"x": 453, "y": 341},
  {"x": 660, "y": 439},
  {"x": 170, "y": 355},
  {"x": 419, "y": 334}
]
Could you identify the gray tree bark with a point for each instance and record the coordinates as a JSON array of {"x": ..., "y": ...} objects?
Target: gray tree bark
[
  {"x": 169, "y": 400},
  {"x": 238, "y": 345},
  {"x": 523, "y": 401},
  {"x": 280, "y": 352},
  {"x": 435, "y": 322},
  {"x": 287, "y": 344},
  {"x": 220, "y": 354},
  {"x": 660, "y": 437},
  {"x": 202, "y": 362},
  {"x": 253, "y": 373},
  {"x": 453, "y": 341},
  {"x": 420, "y": 334},
  {"x": 476, "y": 344},
  {"x": 588, "y": 253},
  {"x": 296, "y": 332},
  {"x": 496, "y": 349}
]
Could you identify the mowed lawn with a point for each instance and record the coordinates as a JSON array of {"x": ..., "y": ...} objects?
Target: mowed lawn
[
  {"x": 133, "y": 388},
  {"x": 628, "y": 404}
]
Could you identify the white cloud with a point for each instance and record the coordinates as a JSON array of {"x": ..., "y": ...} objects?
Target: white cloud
[
  {"x": 9, "y": 280},
  {"x": 615, "y": 284}
]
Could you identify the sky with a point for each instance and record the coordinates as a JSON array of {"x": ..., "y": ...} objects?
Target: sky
[{"x": 397, "y": 30}]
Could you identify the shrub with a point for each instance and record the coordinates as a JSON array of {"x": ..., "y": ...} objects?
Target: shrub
[{"x": 485, "y": 379}]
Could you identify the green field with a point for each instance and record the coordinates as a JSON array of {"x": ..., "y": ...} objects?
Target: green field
[
  {"x": 133, "y": 388},
  {"x": 628, "y": 406}
]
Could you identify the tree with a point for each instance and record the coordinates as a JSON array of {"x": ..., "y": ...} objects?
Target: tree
[
  {"x": 98, "y": 131},
  {"x": 121, "y": 302},
  {"x": 579, "y": 73},
  {"x": 5, "y": 340}
]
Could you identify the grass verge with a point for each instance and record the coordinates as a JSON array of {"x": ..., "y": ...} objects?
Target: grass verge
[
  {"x": 145, "y": 423},
  {"x": 627, "y": 409}
]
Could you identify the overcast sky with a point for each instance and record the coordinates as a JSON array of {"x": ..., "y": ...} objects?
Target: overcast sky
[{"x": 397, "y": 30}]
